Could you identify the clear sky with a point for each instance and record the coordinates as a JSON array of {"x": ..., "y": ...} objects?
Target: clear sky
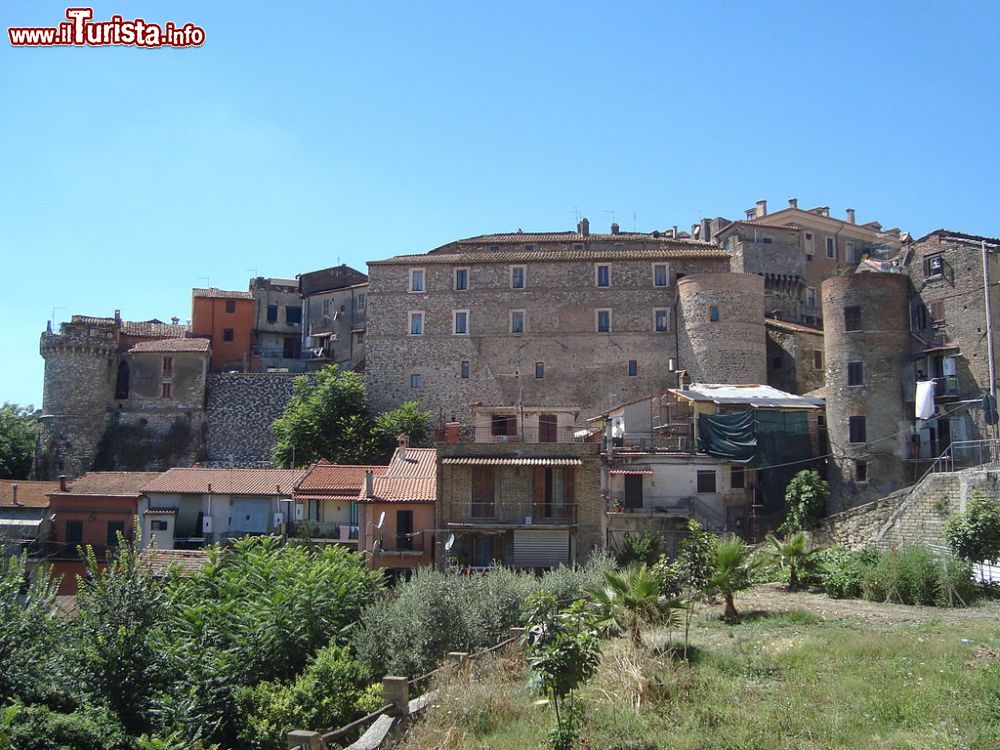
[{"x": 303, "y": 134}]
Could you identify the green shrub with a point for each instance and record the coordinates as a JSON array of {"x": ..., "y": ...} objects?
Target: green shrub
[
  {"x": 40, "y": 728},
  {"x": 917, "y": 575},
  {"x": 840, "y": 572},
  {"x": 645, "y": 548}
]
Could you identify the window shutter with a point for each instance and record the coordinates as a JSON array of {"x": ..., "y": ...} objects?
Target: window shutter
[{"x": 538, "y": 510}]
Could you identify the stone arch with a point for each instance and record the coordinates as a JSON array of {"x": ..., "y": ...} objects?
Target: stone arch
[{"x": 122, "y": 381}]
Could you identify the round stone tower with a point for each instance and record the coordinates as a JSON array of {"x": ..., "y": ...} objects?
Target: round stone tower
[
  {"x": 721, "y": 337},
  {"x": 80, "y": 366},
  {"x": 866, "y": 343}
]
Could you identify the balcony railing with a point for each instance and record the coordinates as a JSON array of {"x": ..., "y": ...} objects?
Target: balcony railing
[
  {"x": 335, "y": 531},
  {"x": 946, "y": 388},
  {"x": 515, "y": 512}
]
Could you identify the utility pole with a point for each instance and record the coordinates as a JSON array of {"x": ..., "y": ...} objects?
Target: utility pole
[{"x": 989, "y": 323}]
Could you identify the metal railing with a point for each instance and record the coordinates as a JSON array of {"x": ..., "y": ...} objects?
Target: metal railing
[
  {"x": 334, "y": 530},
  {"x": 516, "y": 512},
  {"x": 966, "y": 454}
]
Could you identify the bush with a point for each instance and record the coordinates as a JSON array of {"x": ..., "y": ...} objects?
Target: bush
[
  {"x": 41, "y": 728},
  {"x": 805, "y": 497},
  {"x": 841, "y": 572},
  {"x": 916, "y": 575},
  {"x": 645, "y": 548}
]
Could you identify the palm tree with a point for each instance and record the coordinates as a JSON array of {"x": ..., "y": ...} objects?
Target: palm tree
[
  {"x": 792, "y": 554},
  {"x": 734, "y": 569},
  {"x": 630, "y": 599}
]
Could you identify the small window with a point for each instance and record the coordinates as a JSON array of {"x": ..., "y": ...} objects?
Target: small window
[
  {"x": 661, "y": 319},
  {"x": 166, "y": 390},
  {"x": 766, "y": 240},
  {"x": 817, "y": 359},
  {"x": 529, "y": 248},
  {"x": 293, "y": 314},
  {"x": 539, "y": 370},
  {"x": 416, "y": 324},
  {"x": 751, "y": 214},
  {"x": 158, "y": 526},
  {"x": 918, "y": 316},
  {"x": 461, "y": 279},
  {"x": 114, "y": 529},
  {"x": 416, "y": 279},
  {"x": 517, "y": 321},
  {"x": 811, "y": 296},
  {"x": 633, "y": 368},
  {"x": 578, "y": 246},
  {"x": 460, "y": 322},
  {"x": 168, "y": 367},
  {"x": 464, "y": 369},
  {"x": 737, "y": 477},
  {"x": 602, "y": 274},
  {"x": 706, "y": 482},
  {"x": 713, "y": 313},
  {"x": 230, "y": 305},
  {"x": 74, "y": 532},
  {"x": 360, "y": 302},
  {"x": 861, "y": 471},
  {"x": 517, "y": 274},
  {"x": 603, "y": 321},
  {"x": 503, "y": 424},
  {"x": 831, "y": 248},
  {"x": 852, "y": 318},
  {"x": 937, "y": 313},
  {"x": 858, "y": 429},
  {"x": 934, "y": 265},
  {"x": 661, "y": 275},
  {"x": 227, "y": 334},
  {"x": 810, "y": 245},
  {"x": 855, "y": 373},
  {"x": 416, "y": 380},
  {"x": 777, "y": 362},
  {"x": 852, "y": 255},
  {"x": 272, "y": 313}
]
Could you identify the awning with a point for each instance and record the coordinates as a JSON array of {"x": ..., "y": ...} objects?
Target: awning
[
  {"x": 25, "y": 522},
  {"x": 631, "y": 471},
  {"x": 326, "y": 335},
  {"x": 338, "y": 496},
  {"x": 469, "y": 461},
  {"x": 160, "y": 512}
]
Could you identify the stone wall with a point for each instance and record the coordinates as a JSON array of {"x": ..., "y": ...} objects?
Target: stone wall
[
  {"x": 791, "y": 358},
  {"x": 151, "y": 440}
]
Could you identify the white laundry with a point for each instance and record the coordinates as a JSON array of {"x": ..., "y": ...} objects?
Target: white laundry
[{"x": 925, "y": 399}]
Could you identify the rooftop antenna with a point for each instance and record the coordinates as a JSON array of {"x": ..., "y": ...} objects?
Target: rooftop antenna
[
  {"x": 54, "y": 313},
  {"x": 576, "y": 210}
]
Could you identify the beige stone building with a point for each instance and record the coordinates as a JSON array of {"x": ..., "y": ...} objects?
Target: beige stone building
[{"x": 335, "y": 311}]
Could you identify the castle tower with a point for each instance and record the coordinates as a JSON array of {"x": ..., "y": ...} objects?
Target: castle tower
[
  {"x": 721, "y": 336},
  {"x": 80, "y": 370},
  {"x": 867, "y": 342}
]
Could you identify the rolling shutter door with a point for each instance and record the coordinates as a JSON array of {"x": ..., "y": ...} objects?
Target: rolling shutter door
[{"x": 541, "y": 549}]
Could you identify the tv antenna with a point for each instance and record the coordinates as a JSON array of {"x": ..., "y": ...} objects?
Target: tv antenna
[{"x": 381, "y": 520}]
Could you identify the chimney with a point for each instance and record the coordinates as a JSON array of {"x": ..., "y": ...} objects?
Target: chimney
[
  {"x": 62, "y": 483},
  {"x": 793, "y": 202},
  {"x": 13, "y": 490},
  {"x": 402, "y": 442},
  {"x": 175, "y": 320},
  {"x": 452, "y": 432},
  {"x": 614, "y": 229},
  {"x": 761, "y": 208},
  {"x": 706, "y": 230},
  {"x": 118, "y": 317},
  {"x": 850, "y": 216},
  {"x": 675, "y": 235},
  {"x": 585, "y": 227},
  {"x": 369, "y": 484}
]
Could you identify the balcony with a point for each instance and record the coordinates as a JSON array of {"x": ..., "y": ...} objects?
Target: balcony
[
  {"x": 946, "y": 389},
  {"x": 508, "y": 513},
  {"x": 328, "y": 532}
]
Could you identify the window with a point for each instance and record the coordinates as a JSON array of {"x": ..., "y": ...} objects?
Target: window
[
  {"x": 855, "y": 373},
  {"x": 751, "y": 214},
  {"x": 858, "y": 429},
  {"x": 517, "y": 321},
  {"x": 661, "y": 274},
  {"x": 706, "y": 481},
  {"x": 602, "y": 274},
  {"x": 517, "y": 274},
  {"x": 227, "y": 334},
  {"x": 461, "y": 279},
  {"x": 416, "y": 323},
  {"x": 168, "y": 367},
  {"x": 766, "y": 240},
  {"x": 934, "y": 265},
  {"x": 114, "y": 528},
  {"x": 74, "y": 532},
  {"x": 633, "y": 368},
  {"x": 861, "y": 471},
  {"x": 482, "y": 504},
  {"x": 416, "y": 279},
  {"x": 603, "y": 321},
  {"x": 661, "y": 319},
  {"x": 810, "y": 245},
  {"x": 404, "y": 529},
  {"x": 578, "y": 247},
  {"x": 713, "y": 313},
  {"x": 737, "y": 477},
  {"x": 272, "y": 312},
  {"x": 121, "y": 381},
  {"x": 777, "y": 362},
  {"x": 831, "y": 248},
  {"x": 529, "y": 248},
  {"x": 852, "y": 255},
  {"x": 167, "y": 390},
  {"x": 157, "y": 525},
  {"x": 937, "y": 313},
  {"x": 539, "y": 370},
  {"x": 817, "y": 359},
  {"x": 416, "y": 380},
  {"x": 503, "y": 424},
  {"x": 460, "y": 322},
  {"x": 230, "y": 305},
  {"x": 852, "y": 318},
  {"x": 293, "y": 314},
  {"x": 811, "y": 296},
  {"x": 361, "y": 302},
  {"x": 548, "y": 428},
  {"x": 464, "y": 369}
]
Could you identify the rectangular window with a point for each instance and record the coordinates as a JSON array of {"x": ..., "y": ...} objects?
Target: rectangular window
[
  {"x": 227, "y": 334},
  {"x": 817, "y": 359},
  {"x": 633, "y": 368},
  {"x": 166, "y": 390},
  {"x": 360, "y": 302},
  {"x": 114, "y": 528},
  {"x": 230, "y": 305},
  {"x": 861, "y": 471},
  {"x": 74, "y": 532},
  {"x": 852, "y": 255},
  {"x": 464, "y": 369},
  {"x": 858, "y": 429},
  {"x": 603, "y": 321},
  {"x": 517, "y": 321},
  {"x": 293, "y": 314},
  {"x": 404, "y": 529},
  {"x": 416, "y": 325},
  {"x": 578, "y": 247},
  {"x": 661, "y": 319},
  {"x": 539, "y": 370},
  {"x": 855, "y": 373},
  {"x": 934, "y": 265},
  {"x": 852, "y": 318},
  {"x": 831, "y": 248},
  {"x": 706, "y": 482},
  {"x": 737, "y": 477},
  {"x": 661, "y": 274},
  {"x": 460, "y": 322},
  {"x": 713, "y": 313},
  {"x": 602, "y": 274},
  {"x": 416, "y": 380},
  {"x": 937, "y": 312},
  {"x": 777, "y": 362},
  {"x": 158, "y": 525},
  {"x": 272, "y": 313},
  {"x": 810, "y": 245},
  {"x": 482, "y": 503},
  {"x": 811, "y": 296},
  {"x": 529, "y": 248},
  {"x": 503, "y": 424},
  {"x": 168, "y": 367},
  {"x": 517, "y": 274},
  {"x": 416, "y": 279},
  {"x": 461, "y": 279}
]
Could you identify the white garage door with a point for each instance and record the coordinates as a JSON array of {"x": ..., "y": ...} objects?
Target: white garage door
[{"x": 541, "y": 549}]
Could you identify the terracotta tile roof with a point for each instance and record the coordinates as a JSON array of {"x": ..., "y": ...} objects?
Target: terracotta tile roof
[
  {"x": 789, "y": 326},
  {"x": 522, "y": 238},
  {"x": 172, "y": 345},
  {"x": 335, "y": 479},
  {"x": 110, "y": 483},
  {"x": 159, "y": 562},
  {"x": 29, "y": 494},
  {"x": 92, "y": 320},
  {"x": 214, "y": 293},
  {"x": 227, "y": 481},
  {"x": 494, "y": 461},
  {"x": 410, "y": 477},
  {"x": 152, "y": 328},
  {"x": 667, "y": 252}
]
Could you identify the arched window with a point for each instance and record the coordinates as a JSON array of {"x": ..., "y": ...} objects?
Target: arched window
[{"x": 121, "y": 382}]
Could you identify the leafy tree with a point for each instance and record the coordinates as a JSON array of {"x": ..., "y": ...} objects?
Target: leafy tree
[
  {"x": 974, "y": 534},
  {"x": 805, "y": 497},
  {"x": 18, "y": 433},
  {"x": 688, "y": 576},
  {"x": 631, "y": 599},
  {"x": 645, "y": 548},
  {"x": 408, "y": 419},
  {"x": 792, "y": 554},
  {"x": 734, "y": 569}
]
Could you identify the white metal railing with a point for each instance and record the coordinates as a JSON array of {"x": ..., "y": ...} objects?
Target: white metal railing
[{"x": 967, "y": 454}]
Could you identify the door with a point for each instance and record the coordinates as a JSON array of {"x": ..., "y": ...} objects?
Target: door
[
  {"x": 548, "y": 428},
  {"x": 633, "y": 490},
  {"x": 404, "y": 529},
  {"x": 114, "y": 527},
  {"x": 482, "y": 492}
]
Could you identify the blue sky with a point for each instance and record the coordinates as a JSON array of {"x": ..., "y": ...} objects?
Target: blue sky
[{"x": 354, "y": 131}]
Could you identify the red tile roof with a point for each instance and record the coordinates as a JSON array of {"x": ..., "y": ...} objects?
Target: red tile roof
[
  {"x": 335, "y": 479},
  {"x": 214, "y": 293},
  {"x": 789, "y": 326},
  {"x": 410, "y": 477},
  {"x": 109, "y": 483},
  {"x": 226, "y": 481},
  {"x": 159, "y": 562},
  {"x": 29, "y": 494},
  {"x": 172, "y": 345},
  {"x": 152, "y": 328},
  {"x": 664, "y": 252}
]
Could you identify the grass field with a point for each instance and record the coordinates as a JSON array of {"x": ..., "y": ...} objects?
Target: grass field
[{"x": 790, "y": 675}]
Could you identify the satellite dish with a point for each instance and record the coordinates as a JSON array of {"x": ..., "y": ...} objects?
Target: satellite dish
[
  {"x": 451, "y": 541},
  {"x": 381, "y": 520},
  {"x": 377, "y": 546}
]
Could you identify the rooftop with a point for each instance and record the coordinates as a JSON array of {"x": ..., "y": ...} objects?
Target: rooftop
[
  {"x": 759, "y": 396},
  {"x": 133, "y": 327},
  {"x": 226, "y": 481},
  {"x": 410, "y": 477},
  {"x": 29, "y": 494},
  {"x": 324, "y": 478},
  {"x": 787, "y": 325},
  {"x": 159, "y": 562},
  {"x": 109, "y": 483},
  {"x": 172, "y": 345},
  {"x": 673, "y": 249},
  {"x": 213, "y": 293}
]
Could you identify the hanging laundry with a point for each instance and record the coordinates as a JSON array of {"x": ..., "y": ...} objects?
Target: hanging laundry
[{"x": 925, "y": 399}]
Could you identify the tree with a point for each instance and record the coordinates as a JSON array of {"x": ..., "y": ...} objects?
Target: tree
[
  {"x": 18, "y": 433},
  {"x": 408, "y": 419},
  {"x": 805, "y": 497},
  {"x": 630, "y": 599},
  {"x": 974, "y": 533},
  {"x": 792, "y": 554},
  {"x": 734, "y": 569}
]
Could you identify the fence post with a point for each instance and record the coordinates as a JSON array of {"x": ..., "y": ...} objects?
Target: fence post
[
  {"x": 396, "y": 690},
  {"x": 458, "y": 659},
  {"x": 300, "y": 738}
]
